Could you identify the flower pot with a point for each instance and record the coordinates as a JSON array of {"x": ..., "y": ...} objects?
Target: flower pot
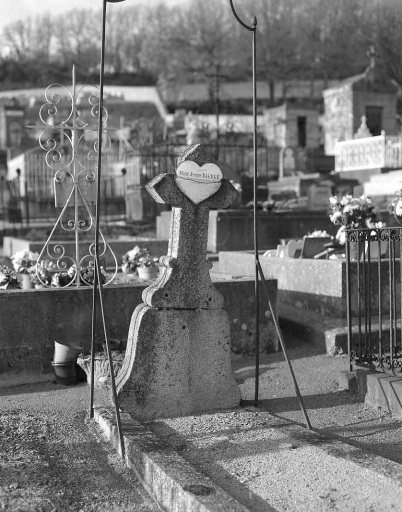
[
  {"x": 147, "y": 273},
  {"x": 101, "y": 367},
  {"x": 67, "y": 374},
  {"x": 26, "y": 282},
  {"x": 66, "y": 353}
]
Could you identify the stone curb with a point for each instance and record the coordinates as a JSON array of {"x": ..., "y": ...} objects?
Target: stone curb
[
  {"x": 384, "y": 391},
  {"x": 171, "y": 481},
  {"x": 322, "y": 332}
]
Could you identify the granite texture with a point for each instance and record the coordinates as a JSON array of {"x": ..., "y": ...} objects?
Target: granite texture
[
  {"x": 178, "y": 353},
  {"x": 177, "y": 363}
]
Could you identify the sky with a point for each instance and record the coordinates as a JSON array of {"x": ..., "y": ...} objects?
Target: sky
[{"x": 14, "y": 10}]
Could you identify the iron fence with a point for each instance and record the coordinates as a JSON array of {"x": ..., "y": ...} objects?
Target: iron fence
[
  {"x": 374, "y": 298},
  {"x": 30, "y": 196},
  {"x": 143, "y": 164}
]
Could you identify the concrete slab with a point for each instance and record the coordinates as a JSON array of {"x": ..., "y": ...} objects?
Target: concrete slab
[
  {"x": 173, "y": 483},
  {"x": 243, "y": 459},
  {"x": 384, "y": 392}
]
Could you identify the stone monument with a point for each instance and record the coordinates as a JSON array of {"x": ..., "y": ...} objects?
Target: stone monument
[{"x": 178, "y": 351}]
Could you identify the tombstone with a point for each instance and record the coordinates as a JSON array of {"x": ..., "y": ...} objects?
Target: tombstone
[
  {"x": 178, "y": 351},
  {"x": 318, "y": 195},
  {"x": 314, "y": 245},
  {"x": 287, "y": 162},
  {"x": 294, "y": 248}
]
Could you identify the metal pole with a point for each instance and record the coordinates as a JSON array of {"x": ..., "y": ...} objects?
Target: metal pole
[
  {"x": 284, "y": 350},
  {"x": 253, "y": 29},
  {"x": 26, "y": 203},
  {"x": 97, "y": 274},
  {"x": 74, "y": 138}
]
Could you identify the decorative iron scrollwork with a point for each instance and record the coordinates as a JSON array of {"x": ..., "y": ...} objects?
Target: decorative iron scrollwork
[{"x": 63, "y": 139}]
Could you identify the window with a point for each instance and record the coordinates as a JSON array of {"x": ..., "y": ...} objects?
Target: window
[
  {"x": 374, "y": 119},
  {"x": 301, "y": 131}
]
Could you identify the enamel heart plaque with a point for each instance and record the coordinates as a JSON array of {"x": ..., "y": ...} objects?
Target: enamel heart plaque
[{"x": 198, "y": 183}]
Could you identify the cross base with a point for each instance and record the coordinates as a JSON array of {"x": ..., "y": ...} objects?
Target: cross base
[{"x": 177, "y": 363}]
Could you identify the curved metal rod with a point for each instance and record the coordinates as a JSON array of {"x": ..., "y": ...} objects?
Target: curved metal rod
[
  {"x": 97, "y": 284},
  {"x": 251, "y": 28}
]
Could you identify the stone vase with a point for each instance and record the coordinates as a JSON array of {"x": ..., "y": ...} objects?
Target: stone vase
[
  {"x": 26, "y": 282},
  {"x": 147, "y": 273}
]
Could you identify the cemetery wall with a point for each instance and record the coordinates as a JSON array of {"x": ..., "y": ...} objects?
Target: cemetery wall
[
  {"x": 32, "y": 320},
  {"x": 315, "y": 285}
]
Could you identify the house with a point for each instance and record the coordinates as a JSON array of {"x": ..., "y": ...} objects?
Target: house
[
  {"x": 293, "y": 124},
  {"x": 369, "y": 94}
]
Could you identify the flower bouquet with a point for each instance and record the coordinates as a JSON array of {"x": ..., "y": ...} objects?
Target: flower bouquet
[
  {"x": 137, "y": 258},
  {"x": 395, "y": 208},
  {"x": 8, "y": 278},
  {"x": 66, "y": 277},
  {"x": 317, "y": 234},
  {"x": 87, "y": 275},
  {"x": 353, "y": 212},
  {"x": 140, "y": 261},
  {"x": 44, "y": 272},
  {"x": 24, "y": 262}
]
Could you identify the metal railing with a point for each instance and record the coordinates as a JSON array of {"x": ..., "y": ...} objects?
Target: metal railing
[
  {"x": 374, "y": 299},
  {"x": 143, "y": 164},
  {"x": 34, "y": 187}
]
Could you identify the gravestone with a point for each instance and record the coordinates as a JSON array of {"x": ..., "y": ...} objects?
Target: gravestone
[
  {"x": 318, "y": 195},
  {"x": 287, "y": 162},
  {"x": 178, "y": 351}
]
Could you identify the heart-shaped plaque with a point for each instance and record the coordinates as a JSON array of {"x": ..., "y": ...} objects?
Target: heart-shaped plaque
[{"x": 198, "y": 183}]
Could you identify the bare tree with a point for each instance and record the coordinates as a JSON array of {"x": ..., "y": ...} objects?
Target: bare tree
[
  {"x": 78, "y": 38},
  {"x": 384, "y": 26}
]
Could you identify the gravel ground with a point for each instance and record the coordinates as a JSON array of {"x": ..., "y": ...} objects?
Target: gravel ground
[
  {"x": 54, "y": 459},
  {"x": 261, "y": 460},
  {"x": 331, "y": 411}
]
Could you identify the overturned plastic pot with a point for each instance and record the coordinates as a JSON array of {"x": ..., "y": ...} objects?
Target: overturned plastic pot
[
  {"x": 67, "y": 374},
  {"x": 66, "y": 353}
]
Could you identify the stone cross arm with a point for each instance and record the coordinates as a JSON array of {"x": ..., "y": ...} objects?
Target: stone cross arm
[
  {"x": 163, "y": 189},
  {"x": 195, "y": 188}
]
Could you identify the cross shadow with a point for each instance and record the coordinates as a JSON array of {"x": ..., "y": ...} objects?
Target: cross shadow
[{"x": 321, "y": 401}]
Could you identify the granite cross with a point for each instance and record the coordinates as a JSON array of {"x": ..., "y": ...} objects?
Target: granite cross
[
  {"x": 195, "y": 188},
  {"x": 177, "y": 360}
]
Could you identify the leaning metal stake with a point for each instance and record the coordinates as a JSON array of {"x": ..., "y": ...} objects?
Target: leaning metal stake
[
  {"x": 283, "y": 346},
  {"x": 97, "y": 276},
  {"x": 253, "y": 29}
]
